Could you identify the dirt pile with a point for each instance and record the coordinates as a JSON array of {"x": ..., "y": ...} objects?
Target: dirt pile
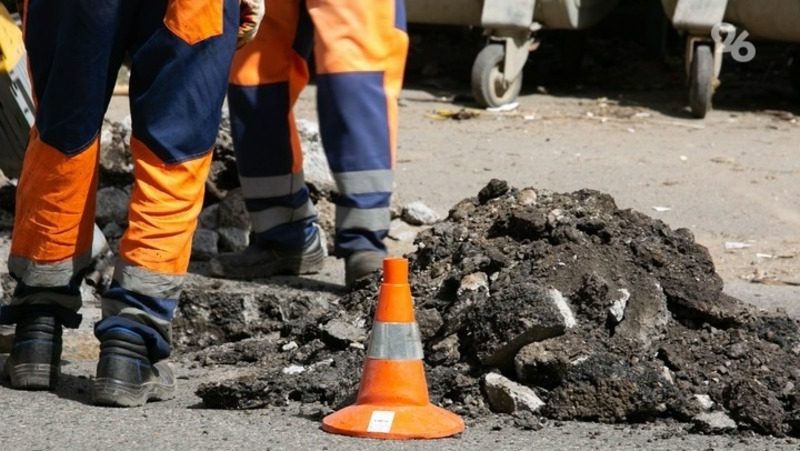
[{"x": 604, "y": 314}]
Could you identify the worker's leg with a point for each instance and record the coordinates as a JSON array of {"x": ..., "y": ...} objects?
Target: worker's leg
[
  {"x": 267, "y": 77},
  {"x": 360, "y": 50},
  {"x": 74, "y": 48},
  {"x": 180, "y": 63}
]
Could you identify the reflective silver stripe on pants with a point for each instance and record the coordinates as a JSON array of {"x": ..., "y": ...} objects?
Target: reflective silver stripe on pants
[
  {"x": 363, "y": 182},
  {"x": 56, "y": 274},
  {"x": 272, "y": 217},
  {"x": 146, "y": 282},
  {"x": 274, "y": 186},
  {"x": 395, "y": 341},
  {"x": 115, "y": 307},
  {"x": 372, "y": 219}
]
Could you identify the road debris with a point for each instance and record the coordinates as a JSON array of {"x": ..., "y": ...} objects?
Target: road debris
[
  {"x": 458, "y": 115},
  {"x": 487, "y": 280},
  {"x": 417, "y": 213}
]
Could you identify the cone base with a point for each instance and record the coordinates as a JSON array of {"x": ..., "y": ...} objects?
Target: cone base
[{"x": 408, "y": 422}]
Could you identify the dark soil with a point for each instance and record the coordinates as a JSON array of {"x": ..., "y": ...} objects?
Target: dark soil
[{"x": 607, "y": 314}]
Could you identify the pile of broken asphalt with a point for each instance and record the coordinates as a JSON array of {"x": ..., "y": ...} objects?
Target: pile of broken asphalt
[{"x": 538, "y": 304}]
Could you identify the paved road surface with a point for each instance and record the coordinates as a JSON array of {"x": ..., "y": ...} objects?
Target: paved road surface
[{"x": 731, "y": 178}]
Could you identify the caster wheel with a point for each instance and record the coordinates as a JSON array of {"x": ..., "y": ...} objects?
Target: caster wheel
[
  {"x": 489, "y": 85},
  {"x": 701, "y": 80}
]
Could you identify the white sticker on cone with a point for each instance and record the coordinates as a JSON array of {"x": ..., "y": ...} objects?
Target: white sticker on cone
[{"x": 381, "y": 421}]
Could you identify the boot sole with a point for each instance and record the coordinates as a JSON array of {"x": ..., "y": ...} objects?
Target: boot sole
[
  {"x": 116, "y": 393},
  {"x": 355, "y": 273},
  {"x": 305, "y": 265},
  {"x": 33, "y": 376}
]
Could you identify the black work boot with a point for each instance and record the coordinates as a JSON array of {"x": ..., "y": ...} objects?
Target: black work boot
[
  {"x": 35, "y": 359},
  {"x": 258, "y": 262},
  {"x": 125, "y": 375},
  {"x": 360, "y": 265}
]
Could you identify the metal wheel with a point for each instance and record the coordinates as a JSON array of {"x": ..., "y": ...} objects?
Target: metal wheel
[
  {"x": 489, "y": 85},
  {"x": 701, "y": 80}
]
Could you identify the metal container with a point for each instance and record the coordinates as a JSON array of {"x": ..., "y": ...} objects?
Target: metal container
[
  {"x": 774, "y": 20},
  {"x": 511, "y": 26},
  {"x": 572, "y": 14},
  {"x": 453, "y": 12},
  {"x": 713, "y": 27}
]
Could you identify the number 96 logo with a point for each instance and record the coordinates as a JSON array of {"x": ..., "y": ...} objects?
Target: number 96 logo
[{"x": 742, "y": 50}]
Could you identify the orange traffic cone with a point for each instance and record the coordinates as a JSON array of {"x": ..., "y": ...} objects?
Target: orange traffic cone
[{"x": 393, "y": 397}]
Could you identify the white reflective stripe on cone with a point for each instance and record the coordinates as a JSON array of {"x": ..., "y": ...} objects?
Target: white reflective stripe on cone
[{"x": 395, "y": 341}]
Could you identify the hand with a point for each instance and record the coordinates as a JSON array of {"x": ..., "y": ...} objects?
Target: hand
[{"x": 250, "y": 14}]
